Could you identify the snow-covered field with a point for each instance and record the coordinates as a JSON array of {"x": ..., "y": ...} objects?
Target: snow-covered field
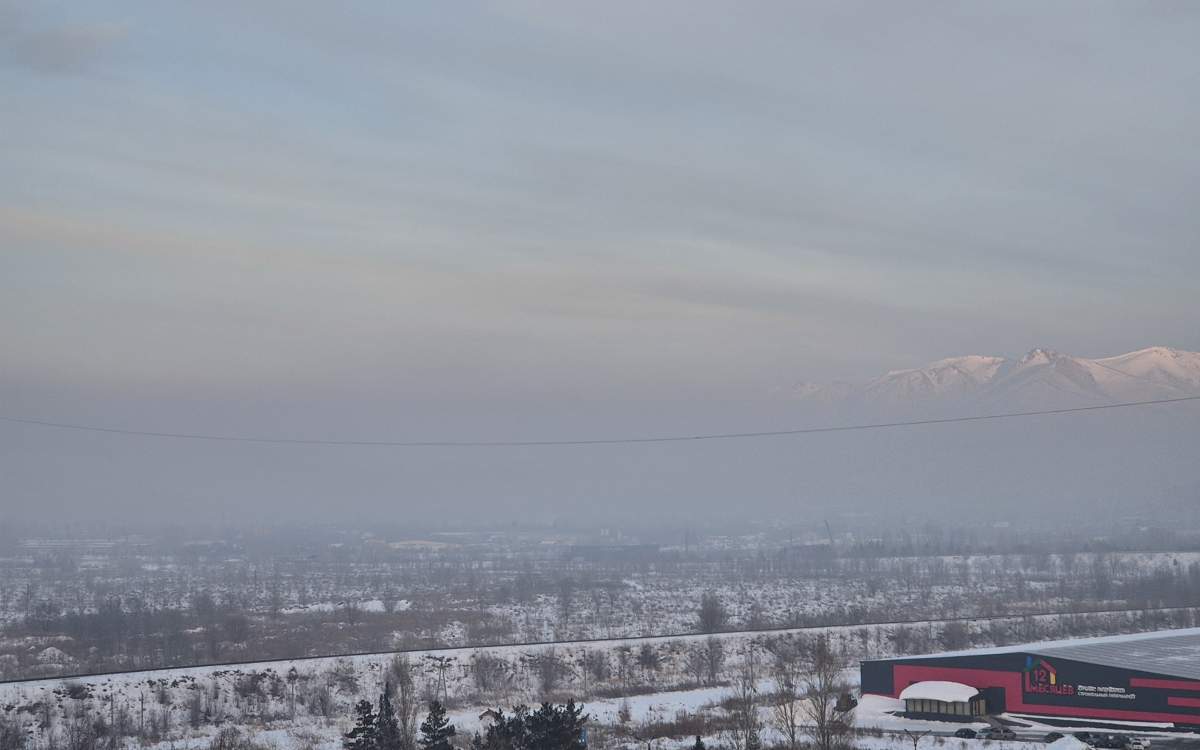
[
  {"x": 107, "y": 610},
  {"x": 62, "y": 618},
  {"x": 307, "y": 703}
]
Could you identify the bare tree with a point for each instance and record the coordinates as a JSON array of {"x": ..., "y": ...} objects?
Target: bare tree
[
  {"x": 389, "y": 599},
  {"x": 714, "y": 655},
  {"x": 787, "y": 667},
  {"x": 320, "y": 700},
  {"x": 195, "y": 707},
  {"x": 704, "y": 660},
  {"x": 955, "y": 635},
  {"x": 695, "y": 663},
  {"x": 596, "y": 666},
  {"x": 80, "y": 727},
  {"x": 566, "y": 598},
  {"x": 712, "y": 616},
  {"x": 624, "y": 658},
  {"x": 490, "y": 672},
  {"x": 649, "y": 661},
  {"x": 237, "y": 627},
  {"x": 828, "y": 718},
  {"x": 744, "y": 730},
  {"x": 406, "y": 702},
  {"x": 903, "y": 639},
  {"x": 549, "y": 668},
  {"x": 292, "y": 678},
  {"x": 11, "y": 736}
]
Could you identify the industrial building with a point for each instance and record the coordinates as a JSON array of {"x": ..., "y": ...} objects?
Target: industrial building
[{"x": 1145, "y": 677}]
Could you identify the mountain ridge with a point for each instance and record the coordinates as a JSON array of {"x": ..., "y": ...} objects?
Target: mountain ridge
[{"x": 1040, "y": 377}]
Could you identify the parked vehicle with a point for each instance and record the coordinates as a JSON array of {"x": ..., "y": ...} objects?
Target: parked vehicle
[
  {"x": 997, "y": 733},
  {"x": 966, "y": 733},
  {"x": 1138, "y": 743}
]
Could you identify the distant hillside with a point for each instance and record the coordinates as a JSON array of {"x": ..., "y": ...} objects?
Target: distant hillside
[{"x": 1041, "y": 377}]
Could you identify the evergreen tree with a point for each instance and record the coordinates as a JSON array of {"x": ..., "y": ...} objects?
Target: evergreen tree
[
  {"x": 571, "y": 726},
  {"x": 699, "y": 744},
  {"x": 364, "y": 734},
  {"x": 541, "y": 725},
  {"x": 551, "y": 727},
  {"x": 388, "y": 735},
  {"x": 436, "y": 730},
  {"x": 507, "y": 732},
  {"x": 557, "y": 727}
]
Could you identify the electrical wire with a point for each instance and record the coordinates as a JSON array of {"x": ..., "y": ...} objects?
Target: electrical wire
[{"x": 585, "y": 441}]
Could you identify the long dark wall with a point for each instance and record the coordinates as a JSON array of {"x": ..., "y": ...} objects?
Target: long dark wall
[{"x": 1046, "y": 685}]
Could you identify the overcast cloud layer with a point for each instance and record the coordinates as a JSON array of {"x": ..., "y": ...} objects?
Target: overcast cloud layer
[{"x": 544, "y": 219}]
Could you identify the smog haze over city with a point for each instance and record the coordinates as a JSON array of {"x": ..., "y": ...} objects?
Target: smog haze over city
[{"x": 394, "y": 350}]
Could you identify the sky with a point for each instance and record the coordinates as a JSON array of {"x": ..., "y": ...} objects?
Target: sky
[{"x": 527, "y": 220}]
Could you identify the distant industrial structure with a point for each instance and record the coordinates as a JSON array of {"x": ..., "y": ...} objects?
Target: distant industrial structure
[{"x": 1145, "y": 677}]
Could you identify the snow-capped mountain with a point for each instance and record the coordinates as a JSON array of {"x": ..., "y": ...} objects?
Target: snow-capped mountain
[{"x": 1041, "y": 377}]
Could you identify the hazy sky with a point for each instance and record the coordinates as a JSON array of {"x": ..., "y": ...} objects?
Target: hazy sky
[{"x": 421, "y": 219}]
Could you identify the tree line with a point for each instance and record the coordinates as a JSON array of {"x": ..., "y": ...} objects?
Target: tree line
[{"x": 380, "y": 726}]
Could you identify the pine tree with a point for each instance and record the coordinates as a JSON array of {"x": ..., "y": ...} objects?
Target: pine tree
[
  {"x": 542, "y": 726},
  {"x": 364, "y": 734},
  {"x": 388, "y": 736},
  {"x": 571, "y": 729},
  {"x": 558, "y": 727},
  {"x": 436, "y": 730},
  {"x": 509, "y": 732},
  {"x": 699, "y": 744}
]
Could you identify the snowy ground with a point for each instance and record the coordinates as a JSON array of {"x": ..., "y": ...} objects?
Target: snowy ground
[{"x": 258, "y": 697}]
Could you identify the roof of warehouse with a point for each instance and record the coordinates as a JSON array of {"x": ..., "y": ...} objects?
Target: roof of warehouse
[{"x": 1169, "y": 652}]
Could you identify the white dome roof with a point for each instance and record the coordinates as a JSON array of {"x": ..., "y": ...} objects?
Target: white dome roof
[{"x": 936, "y": 690}]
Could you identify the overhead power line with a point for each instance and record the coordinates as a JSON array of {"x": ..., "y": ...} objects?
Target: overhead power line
[{"x": 584, "y": 441}]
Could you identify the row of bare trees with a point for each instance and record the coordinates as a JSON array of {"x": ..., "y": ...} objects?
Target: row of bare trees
[{"x": 811, "y": 700}]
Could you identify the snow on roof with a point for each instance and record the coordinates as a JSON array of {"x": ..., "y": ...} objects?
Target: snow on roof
[
  {"x": 1171, "y": 652},
  {"x": 1068, "y": 743},
  {"x": 936, "y": 690}
]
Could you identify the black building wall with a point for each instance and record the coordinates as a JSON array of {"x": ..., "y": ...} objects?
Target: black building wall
[{"x": 1020, "y": 682}]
